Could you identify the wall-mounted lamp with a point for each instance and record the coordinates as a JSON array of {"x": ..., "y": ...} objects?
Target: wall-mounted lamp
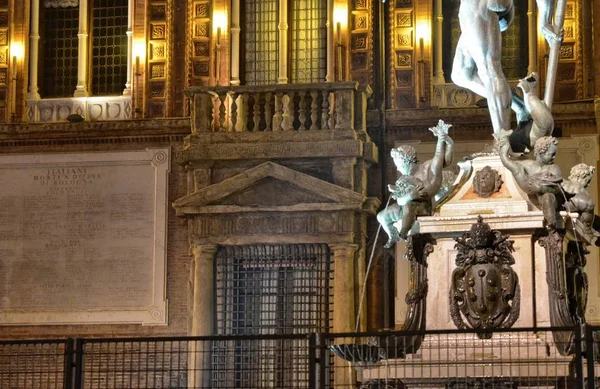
[
  {"x": 139, "y": 52},
  {"x": 219, "y": 25},
  {"x": 340, "y": 18},
  {"x": 17, "y": 53},
  {"x": 423, "y": 31}
]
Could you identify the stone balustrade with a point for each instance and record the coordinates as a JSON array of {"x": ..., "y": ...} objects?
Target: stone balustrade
[
  {"x": 280, "y": 107},
  {"x": 96, "y": 108}
]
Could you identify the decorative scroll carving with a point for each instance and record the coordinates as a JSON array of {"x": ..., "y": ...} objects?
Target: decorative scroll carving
[
  {"x": 486, "y": 182},
  {"x": 418, "y": 249},
  {"x": 485, "y": 289},
  {"x": 577, "y": 281},
  {"x": 567, "y": 287}
]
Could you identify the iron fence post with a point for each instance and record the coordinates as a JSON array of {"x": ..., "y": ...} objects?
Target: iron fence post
[
  {"x": 68, "y": 368},
  {"x": 579, "y": 378},
  {"x": 589, "y": 355},
  {"x": 79, "y": 364},
  {"x": 312, "y": 361},
  {"x": 323, "y": 361}
]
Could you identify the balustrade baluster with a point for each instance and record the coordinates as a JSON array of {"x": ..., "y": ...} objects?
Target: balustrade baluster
[
  {"x": 325, "y": 111},
  {"x": 214, "y": 116},
  {"x": 268, "y": 111},
  {"x": 286, "y": 124},
  {"x": 331, "y": 98},
  {"x": 302, "y": 110},
  {"x": 278, "y": 117},
  {"x": 256, "y": 111},
  {"x": 234, "y": 111},
  {"x": 245, "y": 108},
  {"x": 313, "y": 110},
  {"x": 222, "y": 111}
]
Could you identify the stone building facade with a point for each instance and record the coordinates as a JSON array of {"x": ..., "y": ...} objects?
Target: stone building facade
[{"x": 279, "y": 115}]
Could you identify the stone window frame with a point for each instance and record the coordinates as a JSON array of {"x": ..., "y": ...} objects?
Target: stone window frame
[
  {"x": 283, "y": 51},
  {"x": 36, "y": 104}
]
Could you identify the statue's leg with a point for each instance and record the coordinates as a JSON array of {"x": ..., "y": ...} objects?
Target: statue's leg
[
  {"x": 409, "y": 217},
  {"x": 386, "y": 219},
  {"x": 464, "y": 74},
  {"x": 545, "y": 13},
  {"x": 486, "y": 51},
  {"x": 549, "y": 207},
  {"x": 464, "y": 71}
]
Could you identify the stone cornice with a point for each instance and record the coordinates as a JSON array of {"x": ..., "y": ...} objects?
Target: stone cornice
[
  {"x": 130, "y": 131},
  {"x": 181, "y": 124},
  {"x": 274, "y": 150},
  {"x": 474, "y": 116}
]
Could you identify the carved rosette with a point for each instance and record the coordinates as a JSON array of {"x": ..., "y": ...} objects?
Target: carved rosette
[
  {"x": 484, "y": 288},
  {"x": 486, "y": 182}
]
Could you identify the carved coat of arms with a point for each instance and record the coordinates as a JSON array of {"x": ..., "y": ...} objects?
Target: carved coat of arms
[{"x": 484, "y": 289}]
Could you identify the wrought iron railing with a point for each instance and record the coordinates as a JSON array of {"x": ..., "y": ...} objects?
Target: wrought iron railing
[
  {"x": 279, "y": 107},
  {"x": 44, "y": 364},
  {"x": 508, "y": 358}
]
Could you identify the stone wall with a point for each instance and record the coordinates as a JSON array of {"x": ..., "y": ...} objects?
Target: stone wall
[{"x": 133, "y": 136}]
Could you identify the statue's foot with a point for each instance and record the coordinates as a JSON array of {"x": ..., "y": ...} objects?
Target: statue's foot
[
  {"x": 403, "y": 235},
  {"x": 552, "y": 37},
  {"x": 529, "y": 83},
  {"x": 390, "y": 243}
]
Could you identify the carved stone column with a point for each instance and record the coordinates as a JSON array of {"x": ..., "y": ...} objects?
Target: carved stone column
[
  {"x": 82, "y": 58},
  {"x": 330, "y": 77},
  {"x": 201, "y": 275},
  {"x": 438, "y": 70},
  {"x": 283, "y": 42},
  {"x": 200, "y": 313},
  {"x": 343, "y": 287},
  {"x": 343, "y": 305},
  {"x": 343, "y": 172},
  {"x": 129, "y": 33},
  {"x": 235, "y": 42},
  {"x": 34, "y": 38}
]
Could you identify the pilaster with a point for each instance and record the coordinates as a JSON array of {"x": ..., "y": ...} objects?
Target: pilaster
[
  {"x": 82, "y": 59},
  {"x": 201, "y": 273},
  {"x": 34, "y": 38},
  {"x": 343, "y": 172}
]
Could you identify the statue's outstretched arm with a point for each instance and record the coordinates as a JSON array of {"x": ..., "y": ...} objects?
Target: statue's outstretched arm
[
  {"x": 504, "y": 151},
  {"x": 449, "y": 152}
]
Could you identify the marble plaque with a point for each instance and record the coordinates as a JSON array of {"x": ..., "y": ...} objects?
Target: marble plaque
[{"x": 82, "y": 237}]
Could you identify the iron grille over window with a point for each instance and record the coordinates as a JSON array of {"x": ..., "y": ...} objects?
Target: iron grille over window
[
  {"x": 109, "y": 47},
  {"x": 60, "y": 57},
  {"x": 269, "y": 289},
  {"x": 59, "y": 51},
  {"x": 260, "y": 42},
  {"x": 514, "y": 40},
  {"x": 309, "y": 41}
]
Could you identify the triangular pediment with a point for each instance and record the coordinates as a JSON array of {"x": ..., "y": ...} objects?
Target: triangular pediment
[{"x": 269, "y": 186}]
